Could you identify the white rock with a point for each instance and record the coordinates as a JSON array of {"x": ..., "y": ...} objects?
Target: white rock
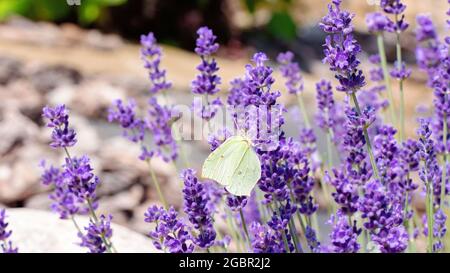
[{"x": 40, "y": 231}]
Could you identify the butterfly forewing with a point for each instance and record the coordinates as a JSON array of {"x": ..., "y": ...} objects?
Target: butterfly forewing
[{"x": 222, "y": 162}]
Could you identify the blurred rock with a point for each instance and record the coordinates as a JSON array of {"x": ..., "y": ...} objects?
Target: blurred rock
[
  {"x": 96, "y": 39},
  {"x": 61, "y": 95},
  {"x": 120, "y": 165},
  {"x": 94, "y": 97},
  {"x": 123, "y": 201},
  {"x": 20, "y": 173},
  {"x": 41, "y": 231},
  {"x": 9, "y": 69},
  {"x": 38, "y": 201},
  {"x": 21, "y": 95},
  {"x": 47, "y": 77},
  {"x": 15, "y": 128}
]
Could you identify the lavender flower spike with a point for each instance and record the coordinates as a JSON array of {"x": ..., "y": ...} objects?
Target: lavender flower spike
[
  {"x": 170, "y": 233},
  {"x": 97, "y": 234},
  {"x": 151, "y": 56},
  {"x": 341, "y": 48},
  {"x": 206, "y": 83},
  {"x": 291, "y": 72},
  {"x": 5, "y": 243},
  {"x": 195, "y": 206},
  {"x": 58, "y": 119}
]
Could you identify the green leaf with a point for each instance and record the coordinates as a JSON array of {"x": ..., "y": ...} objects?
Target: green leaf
[
  {"x": 88, "y": 12},
  {"x": 49, "y": 10},
  {"x": 10, "y": 7},
  {"x": 282, "y": 26}
]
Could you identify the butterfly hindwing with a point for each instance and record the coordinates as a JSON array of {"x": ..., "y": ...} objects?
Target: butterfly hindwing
[
  {"x": 246, "y": 175},
  {"x": 221, "y": 163}
]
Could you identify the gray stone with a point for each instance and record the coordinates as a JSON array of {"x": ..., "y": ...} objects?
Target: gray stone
[{"x": 40, "y": 231}]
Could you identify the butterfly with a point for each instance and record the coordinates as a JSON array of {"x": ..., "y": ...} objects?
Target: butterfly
[{"x": 235, "y": 165}]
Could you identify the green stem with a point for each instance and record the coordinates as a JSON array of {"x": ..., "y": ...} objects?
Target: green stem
[
  {"x": 429, "y": 209},
  {"x": 301, "y": 104},
  {"x": 400, "y": 84},
  {"x": 387, "y": 82},
  {"x": 293, "y": 231},
  {"x": 367, "y": 139},
  {"x": 157, "y": 187},
  {"x": 76, "y": 224},
  {"x": 329, "y": 148},
  {"x": 109, "y": 246},
  {"x": 244, "y": 226},
  {"x": 231, "y": 227}
]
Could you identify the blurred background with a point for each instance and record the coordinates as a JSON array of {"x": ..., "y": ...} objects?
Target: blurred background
[{"x": 87, "y": 55}]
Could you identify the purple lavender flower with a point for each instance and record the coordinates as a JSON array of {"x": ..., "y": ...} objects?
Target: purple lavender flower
[
  {"x": 346, "y": 194},
  {"x": 356, "y": 166},
  {"x": 311, "y": 238},
  {"x": 97, "y": 235},
  {"x": 159, "y": 123},
  {"x": 64, "y": 201},
  {"x": 400, "y": 72},
  {"x": 195, "y": 206},
  {"x": 170, "y": 233},
  {"x": 439, "y": 229},
  {"x": 376, "y": 73},
  {"x": 257, "y": 83},
  {"x": 265, "y": 239},
  {"x": 425, "y": 29},
  {"x": 341, "y": 48},
  {"x": 386, "y": 152},
  {"x": 205, "y": 44},
  {"x": 430, "y": 172},
  {"x": 151, "y": 56},
  {"x": 236, "y": 203},
  {"x": 79, "y": 178},
  {"x": 125, "y": 115},
  {"x": 377, "y": 22},
  {"x": 206, "y": 83},
  {"x": 58, "y": 119},
  {"x": 394, "y": 240},
  {"x": 344, "y": 237},
  {"x": 392, "y": 6},
  {"x": 5, "y": 244},
  {"x": 291, "y": 72},
  {"x": 257, "y": 111},
  {"x": 427, "y": 53},
  {"x": 326, "y": 106},
  {"x": 384, "y": 218}
]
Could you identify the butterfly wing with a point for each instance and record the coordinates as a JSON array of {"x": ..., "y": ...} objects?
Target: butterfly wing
[
  {"x": 223, "y": 161},
  {"x": 246, "y": 175}
]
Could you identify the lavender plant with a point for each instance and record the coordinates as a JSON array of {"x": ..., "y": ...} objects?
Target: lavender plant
[
  {"x": 6, "y": 245},
  {"x": 75, "y": 184},
  {"x": 369, "y": 188}
]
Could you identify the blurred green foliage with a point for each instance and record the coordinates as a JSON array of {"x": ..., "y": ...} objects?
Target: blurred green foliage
[
  {"x": 281, "y": 24},
  {"x": 56, "y": 10}
]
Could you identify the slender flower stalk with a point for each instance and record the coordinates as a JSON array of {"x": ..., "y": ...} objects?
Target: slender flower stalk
[
  {"x": 387, "y": 78},
  {"x": 75, "y": 185},
  {"x": 433, "y": 57},
  {"x": 206, "y": 83},
  {"x": 428, "y": 173},
  {"x": 341, "y": 51},
  {"x": 397, "y": 8}
]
